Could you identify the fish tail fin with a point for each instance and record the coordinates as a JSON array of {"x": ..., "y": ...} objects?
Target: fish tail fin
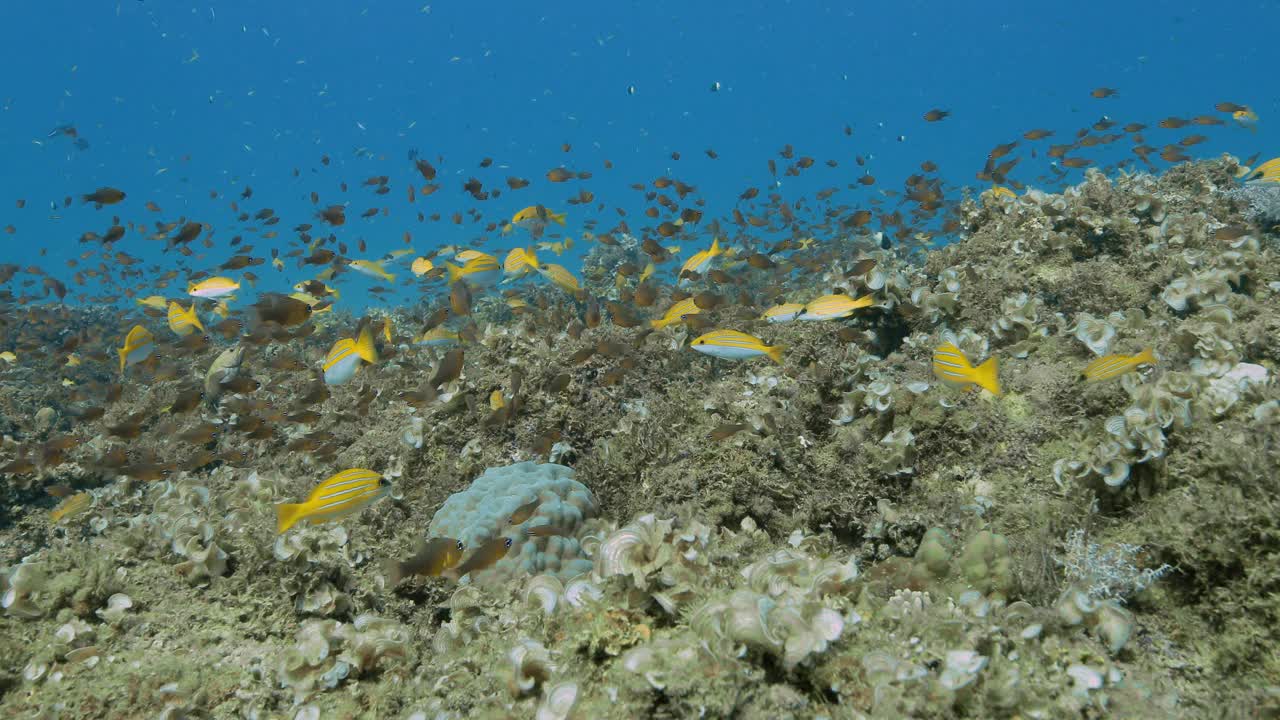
[
  {"x": 123, "y": 355},
  {"x": 715, "y": 248},
  {"x": 389, "y": 277},
  {"x": 864, "y": 301},
  {"x": 364, "y": 346},
  {"x": 1146, "y": 357},
  {"x": 986, "y": 378},
  {"x": 531, "y": 258},
  {"x": 455, "y": 272},
  {"x": 775, "y": 352},
  {"x": 557, "y": 217},
  {"x": 193, "y": 318},
  {"x": 286, "y": 515}
]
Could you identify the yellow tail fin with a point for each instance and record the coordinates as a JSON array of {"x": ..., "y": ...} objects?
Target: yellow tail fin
[
  {"x": 364, "y": 346},
  {"x": 193, "y": 318},
  {"x": 775, "y": 352},
  {"x": 286, "y": 516},
  {"x": 530, "y": 258},
  {"x": 557, "y": 217},
  {"x": 1146, "y": 357},
  {"x": 864, "y": 301},
  {"x": 715, "y": 248},
  {"x": 985, "y": 376}
]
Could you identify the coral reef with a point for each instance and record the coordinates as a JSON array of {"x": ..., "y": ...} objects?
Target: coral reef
[{"x": 838, "y": 536}]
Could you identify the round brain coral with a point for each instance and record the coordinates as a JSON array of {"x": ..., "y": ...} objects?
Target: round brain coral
[{"x": 482, "y": 512}]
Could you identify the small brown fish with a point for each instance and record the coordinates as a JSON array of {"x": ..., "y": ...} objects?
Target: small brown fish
[
  {"x": 483, "y": 557},
  {"x": 103, "y": 196},
  {"x": 449, "y": 369},
  {"x": 726, "y": 431},
  {"x": 432, "y": 558},
  {"x": 524, "y": 512}
]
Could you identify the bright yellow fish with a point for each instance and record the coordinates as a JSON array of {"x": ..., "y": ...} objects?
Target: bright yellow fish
[
  {"x": 561, "y": 277},
  {"x": 421, "y": 266},
  {"x": 138, "y": 346},
  {"x": 372, "y": 269},
  {"x": 735, "y": 345},
  {"x": 1111, "y": 366},
  {"x": 184, "y": 322},
  {"x": 676, "y": 313},
  {"x": 343, "y": 494},
  {"x": 951, "y": 366},
  {"x": 701, "y": 260},
  {"x": 831, "y": 307},
  {"x": 213, "y": 287}
]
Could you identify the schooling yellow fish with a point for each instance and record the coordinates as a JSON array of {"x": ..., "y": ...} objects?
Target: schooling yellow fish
[
  {"x": 676, "y": 313},
  {"x": 951, "y": 366},
  {"x": 535, "y": 218},
  {"x": 344, "y": 357},
  {"x": 561, "y": 277},
  {"x": 71, "y": 506},
  {"x": 519, "y": 262},
  {"x": 184, "y": 322},
  {"x": 831, "y": 307},
  {"x": 343, "y": 494},
  {"x": 438, "y": 337},
  {"x": 701, "y": 260},
  {"x": 155, "y": 302},
  {"x": 214, "y": 287},
  {"x": 1112, "y": 366},
  {"x": 421, "y": 266},
  {"x": 735, "y": 345},
  {"x": 372, "y": 269},
  {"x": 138, "y": 346},
  {"x": 480, "y": 271},
  {"x": 783, "y": 312}
]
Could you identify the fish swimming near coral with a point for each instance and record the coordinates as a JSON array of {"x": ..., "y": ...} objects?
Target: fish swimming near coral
[
  {"x": 223, "y": 368},
  {"x": 700, "y": 260},
  {"x": 1115, "y": 365},
  {"x": 783, "y": 312},
  {"x": 951, "y": 366},
  {"x": 70, "y": 507},
  {"x": 481, "y": 270},
  {"x": 831, "y": 307},
  {"x": 138, "y": 346},
  {"x": 735, "y": 345},
  {"x": 431, "y": 559},
  {"x": 344, "y": 357},
  {"x": 524, "y": 512},
  {"x": 484, "y": 557},
  {"x": 342, "y": 494},
  {"x": 184, "y": 322},
  {"x": 676, "y": 313}
]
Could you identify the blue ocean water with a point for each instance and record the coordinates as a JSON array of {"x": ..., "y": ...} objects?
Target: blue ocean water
[{"x": 178, "y": 100}]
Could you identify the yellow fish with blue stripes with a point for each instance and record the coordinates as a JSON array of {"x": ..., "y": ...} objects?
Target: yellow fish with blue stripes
[
  {"x": 138, "y": 346},
  {"x": 184, "y": 322},
  {"x": 676, "y": 313},
  {"x": 1115, "y": 365},
  {"x": 951, "y": 366},
  {"x": 343, "y": 494},
  {"x": 735, "y": 345},
  {"x": 344, "y": 358}
]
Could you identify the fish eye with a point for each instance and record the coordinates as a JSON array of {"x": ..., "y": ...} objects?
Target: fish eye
[{"x": 508, "y": 543}]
